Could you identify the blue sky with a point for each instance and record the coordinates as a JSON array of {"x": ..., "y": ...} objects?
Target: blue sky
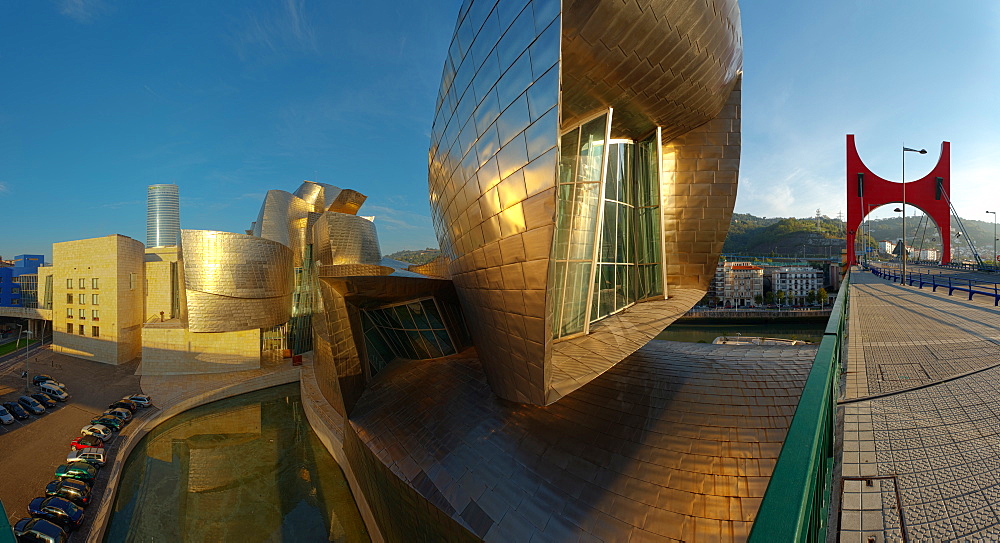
[{"x": 100, "y": 98}]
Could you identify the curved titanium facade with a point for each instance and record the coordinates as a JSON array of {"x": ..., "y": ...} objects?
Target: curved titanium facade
[
  {"x": 163, "y": 216},
  {"x": 564, "y": 208},
  {"x": 283, "y": 218},
  {"x": 235, "y": 281},
  {"x": 345, "y": 239},
  {"x": 319, "y": 195}
]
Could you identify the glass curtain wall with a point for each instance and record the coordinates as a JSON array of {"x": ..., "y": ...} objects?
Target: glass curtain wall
[
  {"x": 609, "y": 195},
  {"x": 581, "y": 168},
  {"x": 412, "y": 330}
]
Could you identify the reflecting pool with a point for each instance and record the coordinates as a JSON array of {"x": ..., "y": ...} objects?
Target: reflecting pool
[{"x": 247, "y": 468}]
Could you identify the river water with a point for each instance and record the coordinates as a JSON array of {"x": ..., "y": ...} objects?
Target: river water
[
  {"x": 244, "y": 469},
  {"x": 706, "y": 332}
]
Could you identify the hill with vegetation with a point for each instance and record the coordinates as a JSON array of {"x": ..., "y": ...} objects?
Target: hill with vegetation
[
  {"x": 418, "y": 256},
  {"x": 777, "y": 236}
]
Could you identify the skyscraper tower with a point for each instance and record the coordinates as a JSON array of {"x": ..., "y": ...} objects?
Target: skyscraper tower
[{"x": 163, "y": 219}]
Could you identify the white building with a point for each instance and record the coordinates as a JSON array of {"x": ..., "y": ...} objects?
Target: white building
[{"x": 796, "y": 282}]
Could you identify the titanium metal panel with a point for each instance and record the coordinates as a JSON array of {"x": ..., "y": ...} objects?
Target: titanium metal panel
[
  {"x": 319, "y": 195},
  {"x": 235, "y": 281},
  {"x": 518, "y": 73},
  {"x": 661, "y": 63},
  {"x": 339, "y": 238},
  {"x": 675, "y": 443},
  {"x": 283, "y": 218},
  {"x": 348, "y": 201}
]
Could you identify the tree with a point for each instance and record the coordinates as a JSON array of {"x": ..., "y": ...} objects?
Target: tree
[
  {"x": 822, "y": 296},
  {"x": 769, "y": 297},
  {"x": 811, "y": 297},
  {"x": 758, "y": 299},
  {"x": 780, "y": 296}
]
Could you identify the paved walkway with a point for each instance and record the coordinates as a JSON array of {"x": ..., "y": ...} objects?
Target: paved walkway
[{"x": 921, "y": 454}]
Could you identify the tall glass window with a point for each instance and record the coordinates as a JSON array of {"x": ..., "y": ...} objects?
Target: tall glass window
[
  {"x": 412, "y": 330},
  {"x": 581, "y": 168},
  {"x": 609, "y": 196}
]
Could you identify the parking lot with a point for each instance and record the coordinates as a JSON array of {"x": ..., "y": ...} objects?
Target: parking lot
[{"x": 33, "y": 448}]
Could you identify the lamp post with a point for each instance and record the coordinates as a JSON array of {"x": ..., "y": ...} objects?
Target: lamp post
[
  {"x": 906, "y": 150},
  {"x": 994, "y": 238}
]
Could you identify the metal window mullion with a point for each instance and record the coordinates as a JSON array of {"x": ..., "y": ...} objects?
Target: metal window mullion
[
  {"x": 659, "y": 194},
  {"x": 599, "y": 229},
  {"x": 576, "y": 170}
]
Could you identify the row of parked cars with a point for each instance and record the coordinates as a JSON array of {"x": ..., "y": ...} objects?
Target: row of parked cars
[
  {"x": 50, "y": 392},
  {"x": 61, "y": 509}
]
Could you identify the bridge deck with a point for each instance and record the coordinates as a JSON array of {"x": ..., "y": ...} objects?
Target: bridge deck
[{"x": 921, "y": 415}]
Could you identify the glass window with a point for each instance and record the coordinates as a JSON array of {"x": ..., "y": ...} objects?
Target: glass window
[
  {"x": 80, "y": 327},
  {"x": 83, "y": 283},
  {"x": 15, "y": 301},
  {"x": 82, "y": 298},
  {"x": 96, "y": 300},
  {"x": 95, "y": 314},
  {"x": 95, "y": 331},
  {"x": 94, "y": 282},
  {"x": 69, "y": 283},
  {"x": 15, "y": 290},
  {"x": 83, "y": 313},
  {"x": 69, "y": 312},
  {"x": 69, "y": 328},
  {"x": 69, "y": 298}
]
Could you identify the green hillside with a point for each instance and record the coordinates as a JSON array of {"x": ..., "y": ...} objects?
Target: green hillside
[{"x": 418, "y": 256}]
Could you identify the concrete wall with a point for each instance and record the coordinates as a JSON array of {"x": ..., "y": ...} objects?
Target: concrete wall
[
  {"x": 116, "y": 262},
  {"x": 171, "y": 349}
]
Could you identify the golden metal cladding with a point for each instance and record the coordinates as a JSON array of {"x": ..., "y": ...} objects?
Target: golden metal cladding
[
  {"x": 339, "y": 238},
  {"x": 348, "y": 201},
  {"x": 283, "y": 218},
  {"x": 319, "y": 195},
  {"x": 235, "y": 281},
  {"x": 663, "y": 63},
  {"x": 493, "y": 170}
]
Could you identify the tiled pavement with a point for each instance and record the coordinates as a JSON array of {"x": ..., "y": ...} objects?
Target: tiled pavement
[
  {"x": 675, "y": 443},
  {"x": 921, "y": 457}
]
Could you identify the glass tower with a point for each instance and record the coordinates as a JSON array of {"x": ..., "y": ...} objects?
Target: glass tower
[{"x": 163, "y": 218}]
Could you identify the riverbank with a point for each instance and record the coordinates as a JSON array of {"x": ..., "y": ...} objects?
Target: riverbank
[{"x": 756, "y": 315}]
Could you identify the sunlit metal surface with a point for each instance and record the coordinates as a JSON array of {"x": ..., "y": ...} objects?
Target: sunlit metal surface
[
  {"x": 282, "y": 218},
  {"x": 435, "y": 268},
  {"x": 339, "y": 238},
  {"x": 318, "y": 195},
  {"x": 493, "y": 162},
  {"x": 675, "y": 443},
  {"x": 348, "y": 201},
  {"x": 163, "y": 216},
  {"x": 235, "y": 281}
]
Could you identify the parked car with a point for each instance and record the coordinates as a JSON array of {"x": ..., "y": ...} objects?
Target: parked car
[
  {"x": 121, "y": 413},
  {"x": 58, "y": 510},
  {"x": 125, "y": 404},
  {"x": 39, "y": 529},
  {"x": 91, "y": 455},
  {"x": 109, "y": 421},
  {"x": 98, "y": 430},
  {"x": 141, "y": 399},
  {"x": 5, "y": 416},
  {"x": 31, "y": 405},
  {"x": 83, "y": 442},
  {"x": 16, "y": 410},
  {"x": 73, "y": 490},
  {"x": 39, "y": 379},
  {"x": 77, "y": 470},
  {"x": 44, "y": 399},
  {"x": 57, "y": 392}
]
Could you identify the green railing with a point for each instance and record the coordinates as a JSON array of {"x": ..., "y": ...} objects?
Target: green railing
[
  {"x": 796, "y": 504},
  {"x": 6, "y": 532}
]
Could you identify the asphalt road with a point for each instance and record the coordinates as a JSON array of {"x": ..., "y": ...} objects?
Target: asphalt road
[{"x": 32, "y": 448}]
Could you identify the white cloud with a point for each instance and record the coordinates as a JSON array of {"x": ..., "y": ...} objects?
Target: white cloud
[
  {"x": 82, "y": 11},
  {"x": 3, "y": 187},
  {"x": 288, "y": 28}
]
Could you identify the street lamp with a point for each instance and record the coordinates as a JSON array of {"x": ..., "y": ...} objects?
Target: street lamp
[
  {"x": 907, "y": 150},
  {"x": 995, "y": 259}
]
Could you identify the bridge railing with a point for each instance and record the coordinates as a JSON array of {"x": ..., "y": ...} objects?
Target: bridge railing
[
  {"x": 796, "y": 503},
  {"x": 936, "y": 281}
]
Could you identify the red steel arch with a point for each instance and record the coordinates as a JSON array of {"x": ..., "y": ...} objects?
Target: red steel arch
[{"x": 866, "y": 191}]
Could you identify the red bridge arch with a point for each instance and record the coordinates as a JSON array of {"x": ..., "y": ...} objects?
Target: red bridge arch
[{"x": 866, "y": 191}]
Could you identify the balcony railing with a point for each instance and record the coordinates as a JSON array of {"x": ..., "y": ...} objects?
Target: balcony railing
[{"x": 796, "y": 504}]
